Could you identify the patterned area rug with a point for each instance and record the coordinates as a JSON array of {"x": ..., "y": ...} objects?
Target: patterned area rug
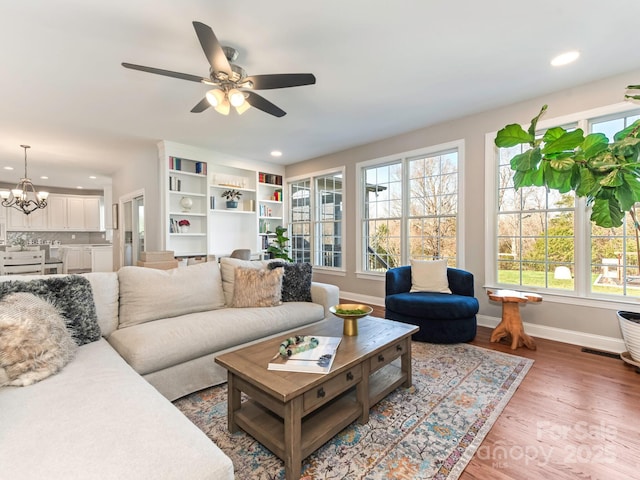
[{"x": 429, "y": 431}]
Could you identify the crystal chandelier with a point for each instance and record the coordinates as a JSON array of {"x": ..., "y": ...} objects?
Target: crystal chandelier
[{"x": 18, "y": 197}]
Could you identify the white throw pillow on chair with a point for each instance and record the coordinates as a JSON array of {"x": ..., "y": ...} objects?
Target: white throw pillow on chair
[{"x": 429, "y": 276}]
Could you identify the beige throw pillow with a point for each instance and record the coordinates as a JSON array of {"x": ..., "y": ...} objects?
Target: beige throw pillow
[
  {"x": 255, "y": 287},
  {"x": 228, "y": 271},
  {"x": 429, "y": 276},
  {"x": 34, "y": 340},
  {"x": 149, "y": 294}
]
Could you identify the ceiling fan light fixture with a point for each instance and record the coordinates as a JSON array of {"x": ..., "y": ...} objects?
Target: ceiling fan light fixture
[
  {"x": 224, "y": 107},
  {"x": 236, "y": 97},
  {"x": 246, "y": 84},
  {"x": 243, "y": 108},
  {"x": 215, "y": 97}
]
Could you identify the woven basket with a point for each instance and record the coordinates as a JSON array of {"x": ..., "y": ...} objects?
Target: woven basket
[{"x": 630, "y": 328}]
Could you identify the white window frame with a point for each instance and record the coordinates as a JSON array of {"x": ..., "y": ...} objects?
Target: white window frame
[
  {"x": 581, "y": 295},
  {"x": 458, "y": 145},
  {"x": 314, "y": 221}
]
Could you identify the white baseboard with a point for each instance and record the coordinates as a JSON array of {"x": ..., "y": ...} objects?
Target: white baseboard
[
  {"x": 359, "y": 298},
  {"x": 589, "y": 340}
]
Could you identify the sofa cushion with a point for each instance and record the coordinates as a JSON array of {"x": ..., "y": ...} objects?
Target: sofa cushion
[
  {"x": 228, "y": 272},
  {"x": 296, "y": 283},
  {"x": 105, "y": 289},
  {"x": 432, "y": 305},
  {"x": 98, "y": 419},
  {"x": 34, "y": 340},
  {"x": 429, "y": 276},
  {"x": 153, "y": 346},
  {"x": 149, "y": 294},
  {"x": 71, "y": 294},
  {"x": 257, "y": 287}
]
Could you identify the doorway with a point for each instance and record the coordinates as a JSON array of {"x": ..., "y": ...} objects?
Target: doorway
[{"x": 133, "y": 228}]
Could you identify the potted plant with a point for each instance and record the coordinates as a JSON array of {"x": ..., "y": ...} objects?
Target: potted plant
[
  {"x": 606, "y": 173},
  {"x": 184, "y": 225},
  {"x": 232, "y": 197},
  {"x": 278, "y": 247}
]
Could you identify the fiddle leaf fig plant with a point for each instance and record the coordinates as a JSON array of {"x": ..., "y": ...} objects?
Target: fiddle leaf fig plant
[
  {"x": 606, "y": 173},
  {"x": 278, "y": 248}
]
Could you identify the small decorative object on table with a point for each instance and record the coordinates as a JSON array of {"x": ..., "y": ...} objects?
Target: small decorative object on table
[
  {"x": 305, "y": 354},
  {"x": 232, "y": 197},
  {"x": 350, "y": 313},
  {"x": 184, "y": 226}
]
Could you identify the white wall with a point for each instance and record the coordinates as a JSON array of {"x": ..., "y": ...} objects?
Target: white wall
[
  {"x": 139, "y": 174},
  {"x": 546, "y": 316}
]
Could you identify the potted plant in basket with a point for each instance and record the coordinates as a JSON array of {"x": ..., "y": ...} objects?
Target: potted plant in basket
[
  {"x": 184, "y": 225},
  {"x": 232, "y": 197},
  {"x": 607, "y": 174}
]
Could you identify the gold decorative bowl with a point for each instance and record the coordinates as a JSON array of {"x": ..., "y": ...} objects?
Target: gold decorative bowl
[{"x": 350, "y": 313}]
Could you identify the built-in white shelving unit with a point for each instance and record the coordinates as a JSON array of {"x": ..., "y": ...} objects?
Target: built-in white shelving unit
[{"x": 216, "y": 228}]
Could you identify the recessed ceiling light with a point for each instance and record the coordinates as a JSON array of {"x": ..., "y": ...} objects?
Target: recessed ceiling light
[
  {"x": 8, "y": 168},
  {"x": 276, "y": 153},
  {"x": 79, "y": 187},
  {"x": 44, "y": 177},
  {"x": 92, "y": 177},
  {"x": 565, "y": 58}
]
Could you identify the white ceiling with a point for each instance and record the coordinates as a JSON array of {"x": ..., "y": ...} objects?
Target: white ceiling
[{"x": 382, "y": 68}]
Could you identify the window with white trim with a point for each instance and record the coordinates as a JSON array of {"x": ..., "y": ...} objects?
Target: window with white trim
[
  {"x": 316, "y": 220},
  {"x": 410, "y": 209},
  {"x": 545, "y": 240}
]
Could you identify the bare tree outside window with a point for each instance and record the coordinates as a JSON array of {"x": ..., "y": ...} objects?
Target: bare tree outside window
[{"x": 414, "y": 218}]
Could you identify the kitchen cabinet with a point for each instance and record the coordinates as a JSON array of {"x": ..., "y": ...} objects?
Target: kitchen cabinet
[
  {"x": 73, "y": 258},
  {"x": 18, "y": 221},
  {"x": 92, "y": 214},
  {"x": 74, "y": 212},
  {"x": 102, "y": 259},
  {"x": 94, "y": 258},
  {"x": 57, "y": 212}
]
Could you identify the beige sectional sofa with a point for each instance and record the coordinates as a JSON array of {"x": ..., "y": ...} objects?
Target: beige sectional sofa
[{"x": 107, "y": 414}]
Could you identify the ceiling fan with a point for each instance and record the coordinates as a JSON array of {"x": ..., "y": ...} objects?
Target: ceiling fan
[{"x": 231, "y": 85}]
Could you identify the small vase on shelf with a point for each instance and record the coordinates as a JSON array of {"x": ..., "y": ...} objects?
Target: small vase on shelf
[
  {"x": 232, "y": 204},
  {"x": 185, "y": 229}
]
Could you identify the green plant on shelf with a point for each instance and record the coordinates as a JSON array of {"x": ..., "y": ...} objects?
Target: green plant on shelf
[{"x": 231, "y": 195}]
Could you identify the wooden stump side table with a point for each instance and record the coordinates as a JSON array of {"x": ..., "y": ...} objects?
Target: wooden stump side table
[{"x": 511, "y": 324}]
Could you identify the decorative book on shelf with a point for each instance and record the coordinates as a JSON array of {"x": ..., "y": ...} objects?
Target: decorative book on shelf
[
  {"x": 315, "y": 360},
  {"x": 186, "y": 165}
]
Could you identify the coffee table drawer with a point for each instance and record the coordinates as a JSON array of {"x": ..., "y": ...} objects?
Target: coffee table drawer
[
  {"x": 387, "y": 355},
  {"x": 331, "y": 388}
]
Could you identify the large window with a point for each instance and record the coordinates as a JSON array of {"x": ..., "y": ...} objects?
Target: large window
[
  {"x": 410, "y": 209},
  {"x": 316, "y": 219},
  {"x": 545, "y": 240}
]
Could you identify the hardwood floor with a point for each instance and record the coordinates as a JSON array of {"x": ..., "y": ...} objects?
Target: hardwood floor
[{"x": 573, "y": 417}]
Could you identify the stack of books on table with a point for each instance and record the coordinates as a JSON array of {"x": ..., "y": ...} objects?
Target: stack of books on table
[{"x": 316, "y": 360}]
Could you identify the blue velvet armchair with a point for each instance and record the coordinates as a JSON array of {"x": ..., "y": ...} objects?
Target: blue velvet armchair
[{"x": 442, "y": 317}]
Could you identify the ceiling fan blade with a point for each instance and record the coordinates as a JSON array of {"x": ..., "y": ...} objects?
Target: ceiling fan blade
[
  {"x": 166, "y": 73},
  {"x": 281, "y": 80},
  {"x": 201, "y": 106},
  {"x": 263, "y": 104},
  {"x": 212, "y": 49}
]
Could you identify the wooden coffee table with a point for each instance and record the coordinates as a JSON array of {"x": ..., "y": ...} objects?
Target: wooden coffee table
[{"x": 293, "y": 414}]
